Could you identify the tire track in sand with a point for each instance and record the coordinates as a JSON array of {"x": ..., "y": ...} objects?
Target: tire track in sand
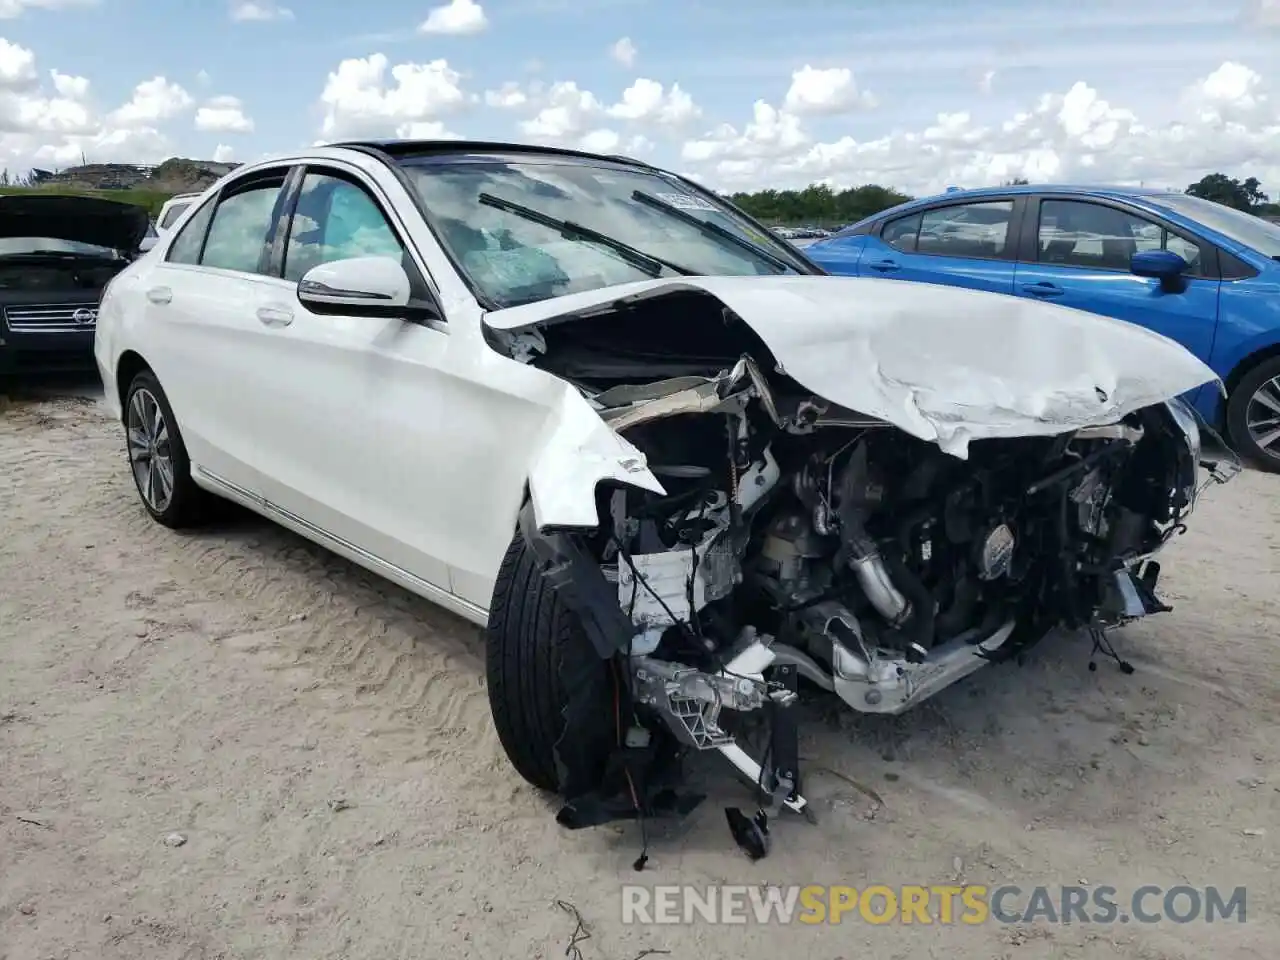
[{"x": 408, "y": 668}]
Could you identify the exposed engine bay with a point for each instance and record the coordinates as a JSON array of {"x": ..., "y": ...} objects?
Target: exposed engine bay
[{"x": 798, "y": 539}]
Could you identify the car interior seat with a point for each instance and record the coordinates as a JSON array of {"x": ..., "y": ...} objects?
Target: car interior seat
[{"x": 1060, "y": 248}]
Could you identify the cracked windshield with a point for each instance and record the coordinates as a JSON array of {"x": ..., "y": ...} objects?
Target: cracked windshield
[{"x": 526, "y": 231}]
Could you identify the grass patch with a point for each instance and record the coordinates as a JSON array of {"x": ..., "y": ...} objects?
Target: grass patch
[{"x": 152, "y": 200}]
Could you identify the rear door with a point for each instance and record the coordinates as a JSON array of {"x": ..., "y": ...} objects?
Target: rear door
[
  {"x": 201, "y": 311},
  {"x": 957, "y": 243},
  {"x": 1076, "y": 252}
]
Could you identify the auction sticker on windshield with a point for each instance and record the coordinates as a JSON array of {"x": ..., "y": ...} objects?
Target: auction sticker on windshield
[{"x": 683, "y": 201}]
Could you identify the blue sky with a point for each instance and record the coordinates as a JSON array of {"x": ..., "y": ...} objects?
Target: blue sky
[{"x": 915, "y": 58}]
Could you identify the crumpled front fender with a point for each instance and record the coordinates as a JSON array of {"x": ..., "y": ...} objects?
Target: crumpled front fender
[{"x": 581, "y": 452}]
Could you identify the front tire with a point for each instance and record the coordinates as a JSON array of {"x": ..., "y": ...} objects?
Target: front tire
[
  {"x": 158, "y": 457},
  {"x": 532, "y": 643},
  {"x": 1253, "y": 415}
]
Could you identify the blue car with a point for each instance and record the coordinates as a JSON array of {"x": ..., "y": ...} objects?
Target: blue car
[{"x": 1195, "y": 271}]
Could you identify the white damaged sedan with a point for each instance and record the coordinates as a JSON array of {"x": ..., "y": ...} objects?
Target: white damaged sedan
[{"x": 670, "y": 466}]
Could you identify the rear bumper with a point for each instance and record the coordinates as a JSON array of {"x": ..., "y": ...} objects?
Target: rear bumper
[{"x": 22, "y": 352}]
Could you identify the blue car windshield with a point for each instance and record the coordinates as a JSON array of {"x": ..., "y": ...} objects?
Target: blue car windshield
[
  {"x": 1244, "y": 228},
  {"x": 502, "y": 221}
]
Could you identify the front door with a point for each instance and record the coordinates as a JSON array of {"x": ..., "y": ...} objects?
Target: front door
[
  {"x": 402, "y": 438},
  {"x": 1080, "y": 259}
]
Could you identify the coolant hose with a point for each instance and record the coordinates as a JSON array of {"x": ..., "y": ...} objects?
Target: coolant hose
[{"x": 919, "y": 628}]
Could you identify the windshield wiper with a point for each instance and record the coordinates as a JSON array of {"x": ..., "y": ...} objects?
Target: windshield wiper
[
  {"x": 644, "y": 262},
  {"x": 713, "y": 229}
]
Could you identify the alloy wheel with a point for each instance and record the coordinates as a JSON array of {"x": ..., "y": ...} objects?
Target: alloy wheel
[
  {"x": 150, "y": 453},
  {"x": 1262, "y": 417}
]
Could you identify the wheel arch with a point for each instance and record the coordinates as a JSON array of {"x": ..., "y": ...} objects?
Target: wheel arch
[
  {"x": 1248, "y": 362},
  {"x": 130, "y": 364}
]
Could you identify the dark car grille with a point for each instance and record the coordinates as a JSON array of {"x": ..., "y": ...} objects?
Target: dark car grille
[{"x": 53, "y": 318}]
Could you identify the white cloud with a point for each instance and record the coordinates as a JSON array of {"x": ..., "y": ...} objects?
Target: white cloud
[
  {"x": 566, "y": 113},
  {"x": 17, "y": 66},
  {"x": 259, "y": 11},
  {"x": 771, "y": 134},
  {"x": 69, "y": 87},
  {"x": 358, "y": 100},
  {"x": 646, "y": 101},
  {"x": 458, "y": 17},
  {"x": 601, "y": 141},
  {"x": 625, "y": 52},
  {"x": 11, "y": 9},
  {"x": 223, "y": 115},
  {"x": 426, "y": 130},
  {"x": 1229, "y": 124},
  {"x": 203, "y": 78},
  {"x": 223, "y": 153},
  {"x": 637, "y": 145},
  {"x": 1232, "y": 92},
  {"x": 55, "y": 123},
  {"x": 507, "y": 97},
  {"x": 825, "y": 92},
  {"x": 153, "y": 101}
]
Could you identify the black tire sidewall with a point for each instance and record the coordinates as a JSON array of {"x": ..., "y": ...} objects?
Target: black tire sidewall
[
  {"x": 1238, "y": 408},
  {"x": 183, "y": 505},
  {"x": 532, "y": 643}
]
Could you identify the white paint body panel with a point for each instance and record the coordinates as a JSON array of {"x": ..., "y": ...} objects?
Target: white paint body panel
[
  {"x": 944, "y": 364},
  {"x": 408, "y": 447},
  {"x": 413, "y": 443}
]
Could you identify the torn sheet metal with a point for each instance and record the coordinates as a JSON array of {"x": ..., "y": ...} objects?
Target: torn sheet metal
[{"x": 945, "y": 364}]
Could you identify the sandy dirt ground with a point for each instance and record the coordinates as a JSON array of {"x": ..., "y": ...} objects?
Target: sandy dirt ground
[{"x": 321, "y": 741}]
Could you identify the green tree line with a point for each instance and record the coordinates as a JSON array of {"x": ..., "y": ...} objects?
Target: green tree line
[{"x": 820, "y": 206}]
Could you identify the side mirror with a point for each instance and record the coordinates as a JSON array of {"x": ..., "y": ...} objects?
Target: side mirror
[
  {"x": 359, "y": 285},
  {"x": 1163, "y": 265}
]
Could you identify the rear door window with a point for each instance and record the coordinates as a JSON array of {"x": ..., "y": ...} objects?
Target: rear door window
[
  {"x": 240, "y": 234},
  {"x": 901, "y": 233},
  {"x": 974, "y": 230},
  {"x": 188, "y": 243}
]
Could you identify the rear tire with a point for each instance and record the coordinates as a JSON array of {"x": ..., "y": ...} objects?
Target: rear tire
[
  {"x": 529, "y": 637},
  {"x": 1247, "y": 415},
  {"x": 147, "y": 415}
]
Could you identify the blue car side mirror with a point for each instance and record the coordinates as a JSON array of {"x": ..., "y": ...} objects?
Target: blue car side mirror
[{"x": 1158, "y": 264}]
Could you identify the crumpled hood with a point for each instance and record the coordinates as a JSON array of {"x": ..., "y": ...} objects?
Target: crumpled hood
[
  {"x": 944, "y": 364},
  {"x": 104, "y": 223}
]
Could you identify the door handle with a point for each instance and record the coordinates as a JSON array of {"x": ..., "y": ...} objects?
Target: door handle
[
  {"x": 275, "y": 316},
  {"x": 1043, "y": 289},
  {"x": 884, "y": 266},
  {"x": 160, "y": 295}
]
